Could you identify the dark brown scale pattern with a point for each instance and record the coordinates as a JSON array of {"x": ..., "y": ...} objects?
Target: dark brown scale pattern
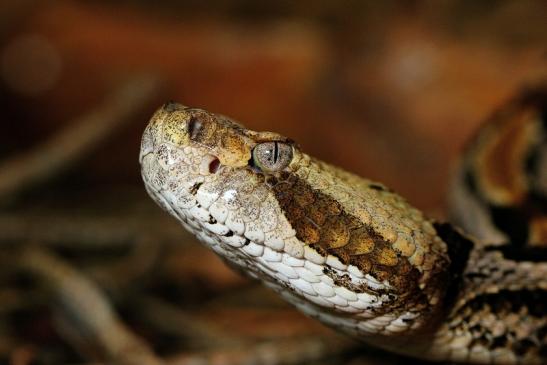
[
  {"x": 524, "y": 303},
  {"x": 322, "y": 223}
]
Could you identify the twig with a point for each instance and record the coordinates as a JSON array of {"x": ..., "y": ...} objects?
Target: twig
[
  {"x": 86, "y": 311},
  {"x": 280, "y": 352},
  {"x": 62, "y": 150},
  {"x": 138, "y": 263},
  {"x": 197, "y": 264},
  {"x": 170, "y": 319},
  {"x": 81, "y": 231},
  {"x": 260, "y": 322}
]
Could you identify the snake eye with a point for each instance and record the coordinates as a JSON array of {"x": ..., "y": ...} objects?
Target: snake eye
[{"x": 272, "y": 156}]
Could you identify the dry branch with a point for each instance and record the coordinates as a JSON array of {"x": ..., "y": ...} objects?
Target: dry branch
[
  {"x": 139, "y": 263},
  {"x": 281, "y": 352},
  {"x": 168, "y": 318},
  {"x": 63, "y": 229},
  {"x": 86, "y": 312},
  {"x": 62, "y": 150}
]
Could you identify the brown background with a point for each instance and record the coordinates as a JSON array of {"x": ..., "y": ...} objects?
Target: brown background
[{"x": 390, "y": 90}]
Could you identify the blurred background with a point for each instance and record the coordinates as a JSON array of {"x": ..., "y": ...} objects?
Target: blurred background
[{"x": 92, "y": 272}]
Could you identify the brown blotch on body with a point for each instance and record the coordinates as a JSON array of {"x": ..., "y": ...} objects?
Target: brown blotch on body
[
  {"x": 317, "y": 215},
  {"x": 307, "y": 232},
  {"x": 334, "y": 233},
  {"x": 387, "y": 257},
  {"x": 360, "y": 242},
  {"x": 322, "y": 223},
  {"x": 304, "y": 197}
]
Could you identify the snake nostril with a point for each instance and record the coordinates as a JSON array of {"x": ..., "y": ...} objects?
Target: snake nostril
[
  {"x": 194, "y": 127},
  {"x": 214, "y": 166}
]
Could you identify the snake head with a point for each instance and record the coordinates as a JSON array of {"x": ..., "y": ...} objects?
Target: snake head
[
  {"x": 214, "y": 176},
  {"x": 341, "y": 248}
]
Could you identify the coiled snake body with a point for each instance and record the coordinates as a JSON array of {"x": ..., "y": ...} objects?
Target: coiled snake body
[{"x": 355, "y": 255}]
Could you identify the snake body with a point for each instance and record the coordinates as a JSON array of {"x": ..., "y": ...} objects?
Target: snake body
[{"x": 357, "y": 256}]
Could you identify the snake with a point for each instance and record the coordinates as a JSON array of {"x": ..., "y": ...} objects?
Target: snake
[{"x": 352, "y": 253}]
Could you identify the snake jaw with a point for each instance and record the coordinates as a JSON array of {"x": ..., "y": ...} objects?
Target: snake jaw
[{"x": 147, "y": 144}]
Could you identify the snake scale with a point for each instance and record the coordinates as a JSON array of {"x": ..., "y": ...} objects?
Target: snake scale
[{"x": 352, "y": 253}]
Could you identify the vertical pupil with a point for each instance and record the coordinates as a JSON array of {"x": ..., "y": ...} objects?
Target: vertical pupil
[
  {"x": 270, "y": 154},
  {"x": 276, "y": 152}
]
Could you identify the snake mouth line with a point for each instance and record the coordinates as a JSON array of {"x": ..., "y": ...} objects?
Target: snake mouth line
[{"x": 143, "y": 156}]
